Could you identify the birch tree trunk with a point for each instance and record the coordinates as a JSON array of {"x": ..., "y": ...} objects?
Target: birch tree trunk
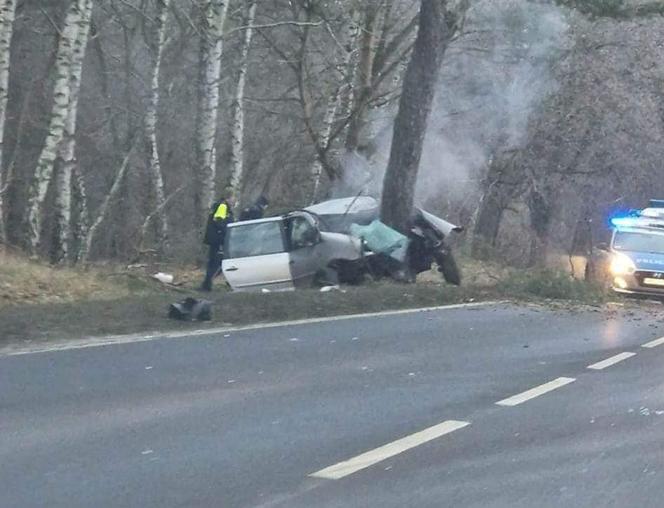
[
  {"x": 213, "y": 17},
  {"x": 56, "y": 129},
  {"x": 346, "y": 67},
  {"x": 154, "y": 164},
  {"x": 362, "y": 96},
  {"x": 237, "y": 132},
  {"x": 328, "y": 121},
  {"x": 66, "y": 158},
  {"x": 7, "y": 14}
]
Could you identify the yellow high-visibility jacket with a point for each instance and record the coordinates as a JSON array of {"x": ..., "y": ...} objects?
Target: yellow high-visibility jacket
[{"x": 221, "y": 213}]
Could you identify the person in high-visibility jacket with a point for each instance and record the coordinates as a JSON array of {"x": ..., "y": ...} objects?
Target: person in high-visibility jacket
[{"x": 221, "y": 214}]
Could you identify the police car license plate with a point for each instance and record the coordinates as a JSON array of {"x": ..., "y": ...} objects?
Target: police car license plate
[{"x": 653, "y": 282}]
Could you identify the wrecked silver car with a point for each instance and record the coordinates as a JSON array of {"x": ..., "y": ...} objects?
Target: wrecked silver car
[
  {"x": 393, "y": 254},
  {"x": 339, "y": 240},
  {"x": 288, "y": 252}
]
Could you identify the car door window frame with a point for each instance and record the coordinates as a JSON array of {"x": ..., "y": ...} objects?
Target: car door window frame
[
  {"x": 289, "y": 232},
  {"x": 284, "y": 241}
]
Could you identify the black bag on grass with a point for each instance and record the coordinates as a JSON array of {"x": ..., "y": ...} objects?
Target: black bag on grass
[{"x": 191, "y": 309}]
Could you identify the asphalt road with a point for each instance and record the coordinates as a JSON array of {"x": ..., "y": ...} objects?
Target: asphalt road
[{"x": 486, "y": 406}]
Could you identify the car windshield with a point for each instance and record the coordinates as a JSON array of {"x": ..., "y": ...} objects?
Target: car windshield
[
  {"x": 258, "y": 239},
  {"x": 639, "y": 242}
]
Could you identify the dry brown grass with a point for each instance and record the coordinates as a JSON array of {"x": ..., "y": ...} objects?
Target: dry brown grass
[
  {"x": 474, "y": 273},
  {"x": 41, "y": 303},
  {"x": 24, "y": 281}
]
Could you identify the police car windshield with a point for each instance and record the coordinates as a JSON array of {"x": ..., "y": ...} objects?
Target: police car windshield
[{"x": 639, "y": 242}]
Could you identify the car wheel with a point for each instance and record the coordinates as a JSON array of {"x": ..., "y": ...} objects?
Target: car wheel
[
  {"x": 448, "y": 267},
  {"x": 350, "y": 272}
]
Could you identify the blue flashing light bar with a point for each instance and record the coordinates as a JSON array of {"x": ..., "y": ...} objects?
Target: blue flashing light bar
[
  {"x": 622, "y": 221},
  {"x": 656, "y": 203}
]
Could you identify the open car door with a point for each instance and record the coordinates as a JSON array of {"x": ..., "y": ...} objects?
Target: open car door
[
  {"x": 304, "y": 241},
  {"x": 255, "y": 256}
]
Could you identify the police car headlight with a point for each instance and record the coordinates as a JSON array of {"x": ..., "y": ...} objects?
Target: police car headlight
[{"x": 622, "y": 265}]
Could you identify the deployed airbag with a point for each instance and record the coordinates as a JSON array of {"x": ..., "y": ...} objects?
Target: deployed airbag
[{"x": 382, "y": 239}]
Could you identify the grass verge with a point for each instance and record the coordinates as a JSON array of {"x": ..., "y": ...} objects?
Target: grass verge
[
  {"x": 43, "y": 322},
  {"x": 550, "y": 285},
  {"x": 39, "y": 303}
]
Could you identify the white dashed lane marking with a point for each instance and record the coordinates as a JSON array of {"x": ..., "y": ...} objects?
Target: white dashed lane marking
[
  {"x": 611, "y": 361},
  {"x": 654, "y": 343},
  {"x": 520, "y": 398},
  {"x": 372, "y": 457}
]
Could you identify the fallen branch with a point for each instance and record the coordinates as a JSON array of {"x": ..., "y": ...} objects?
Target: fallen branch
[
  {"x": 150, "y": 217},
  {"x": 274, "y": 25},
  {"x": 103, "y": 210}
]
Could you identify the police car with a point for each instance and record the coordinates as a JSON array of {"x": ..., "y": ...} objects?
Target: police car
[{"x": 636, "y": 264}]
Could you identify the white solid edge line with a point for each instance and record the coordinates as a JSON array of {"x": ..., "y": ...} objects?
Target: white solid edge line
[
  {"x": 653, "y": 343},
  {"x": 372, "y": 457},
  {"x": 536, "y": 392},
  {"x": 611, "y": 361},
  {"x": 91, "y": 342}
]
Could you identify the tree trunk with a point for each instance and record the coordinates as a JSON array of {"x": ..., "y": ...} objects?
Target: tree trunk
[
  {"x": 362, "y": 96},
  {"x": 541, "y": 213},
  {"x": 237, "y": 132},
  {"x": 346, "y": 68},
  {"x": 502, "y": 185},
  {"x": 154, "y": 164},
  {"x": 81, "y": 225},
  {"x": 56, "y": 129},
  {"x": 211, "y": 49},
  {"x": 488, "y": 222},
  {"x": 414, "y": 108},
  {"x": 66, "y": 158},
  {"x": 324, "y": 139},
  {"x": 7, "y": 14}
]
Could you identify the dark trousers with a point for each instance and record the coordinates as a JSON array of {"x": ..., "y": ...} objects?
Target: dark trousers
[{"x": 215, "y": 258}]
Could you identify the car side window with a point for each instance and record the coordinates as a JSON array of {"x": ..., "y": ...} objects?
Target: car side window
[
  {"x": 302, "y": 233},
  {"x": 258, "y": 239}
]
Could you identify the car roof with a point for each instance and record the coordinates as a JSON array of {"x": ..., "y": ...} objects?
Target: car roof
[
  {"x": 274, "y": 218},
  {"x": 342, "y": 206},
  {"x": 255, "y": 221}
]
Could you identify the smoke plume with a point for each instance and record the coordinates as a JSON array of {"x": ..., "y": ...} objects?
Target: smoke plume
[{"x": 494, "y": 77}]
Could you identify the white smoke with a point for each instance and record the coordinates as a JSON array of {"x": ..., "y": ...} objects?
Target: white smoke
[
  {"x": 494, "y": 77},
  {"x": 493, "y": 80}
]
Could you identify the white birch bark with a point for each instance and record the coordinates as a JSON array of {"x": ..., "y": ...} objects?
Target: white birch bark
[
  {"x": 66, "y": 158},
  {"x": 328, "y": 121},
  {"x": 367, "y": 52},
  {"x": 61, "y": 94},
  {"x": 211, "y": 50},
  {"x": 154, "y": 163},
  {"x": 346, "y": 67},
  {"x": 237, "y": 131},
  {"x": 7, "y": 15}
]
